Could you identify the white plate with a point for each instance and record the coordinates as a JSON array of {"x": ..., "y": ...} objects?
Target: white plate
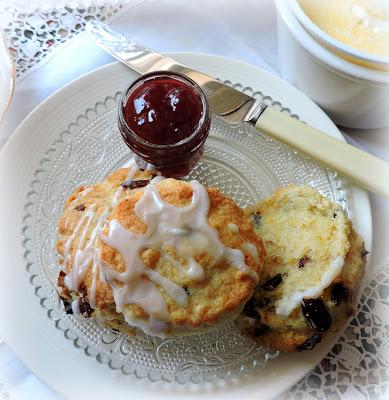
[{"x": 24, "y": 324}]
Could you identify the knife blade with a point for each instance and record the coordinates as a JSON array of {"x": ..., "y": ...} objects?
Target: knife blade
[
  {"x": 236, "y": 107},
  {"x": 224, "y": 101}
]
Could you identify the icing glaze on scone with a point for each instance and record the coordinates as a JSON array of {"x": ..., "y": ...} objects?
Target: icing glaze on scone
[
  {"x": 159, "y": 256},
  {"x": 288, "y": 303},
  {"x": 186, "y": 230},
  {"x": 90, "y": 252}
]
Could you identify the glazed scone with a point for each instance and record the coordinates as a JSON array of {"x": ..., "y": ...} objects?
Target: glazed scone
[
  {"x": 168, "y": 257},
  {"x": 312, "y": 271}
]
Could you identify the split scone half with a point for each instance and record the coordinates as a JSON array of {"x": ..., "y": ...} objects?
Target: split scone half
[
  {"x": 313, "y": 267},
  {"x": 160, "y": 255}
]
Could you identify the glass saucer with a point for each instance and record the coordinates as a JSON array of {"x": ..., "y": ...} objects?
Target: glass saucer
[{"x": 240, "y": 161}]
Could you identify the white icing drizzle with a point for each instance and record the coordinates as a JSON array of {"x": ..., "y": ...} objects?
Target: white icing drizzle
[
  {"x": 90, "y": 252},
  {"x": 85, "y": 254},
  {"x": 153, "y": 326},
  {"x": 288, "y": 303},
  {"x": 156, "y": 179},
  {"x": 73, "y": 277},
  {"x": 97, "y": 266},
  {"x": 233, "y": 228},
  {"x": 83, "y": 193},
  {"x": 132, "y": 288},
  {"x": 76, "y": 307},
  {"x": 150, "y": 167},
  {"x": 133, "y": 166},
  {"x": 116, "y": 196},
  {"x": 193, "y": 270},
  {"x": 95, "y": 256},
  {"x": 186, "y": 230},
  {"x": 172, "y": 289},
  {"x": 252, "y": 249},
  {"x": 133, "y": 169}
]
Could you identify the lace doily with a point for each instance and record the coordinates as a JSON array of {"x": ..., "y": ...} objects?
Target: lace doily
[
  {"x": 32, "y": 36},
  {"x": 357, "y": 367}
]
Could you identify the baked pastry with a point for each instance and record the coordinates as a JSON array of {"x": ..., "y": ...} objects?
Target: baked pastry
[
  {"x": 166, "y": 256},
  {"x": 313, "y": 267}
]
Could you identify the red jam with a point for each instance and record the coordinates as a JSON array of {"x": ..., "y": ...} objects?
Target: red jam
[{"x": 164, "y": 119}]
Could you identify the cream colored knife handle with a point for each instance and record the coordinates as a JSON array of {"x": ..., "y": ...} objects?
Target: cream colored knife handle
[{"x": 362, "y": 168}]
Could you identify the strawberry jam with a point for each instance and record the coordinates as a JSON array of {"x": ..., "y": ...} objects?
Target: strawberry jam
[{"x": 164, "y": 119}]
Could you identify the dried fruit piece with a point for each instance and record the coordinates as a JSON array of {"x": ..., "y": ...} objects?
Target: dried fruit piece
[
  {"x": 135, "y": 184},
  {"x": 261, "y": 303},
  {"x": 303, "y": 261},
  {"x": 67, "y": 306},
  {"x": 187, "y": 290},
  {"x": 259, "y": 330},
  {"x": 61, "y": 278},
  {"x": 85, "y": 309},
  {"x": 310, "y": 343},
  {"x": 256, "y": 219},
  {"x": 80, "y": 207},
  {"x": 340, "y": 294},
  {"x": 272, "y": 283},
  {"x": 249, "y": 310},
  {"x": 365, "y": 253},
  {"x": 316, "y": 314}
]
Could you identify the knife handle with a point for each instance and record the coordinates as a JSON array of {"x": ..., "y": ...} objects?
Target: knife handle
[{"x": 362, "y": 168}]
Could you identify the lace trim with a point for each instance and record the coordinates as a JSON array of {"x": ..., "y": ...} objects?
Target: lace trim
[
  {"x": 357, "y": 366},
  {"x": 33, "y": 35}
]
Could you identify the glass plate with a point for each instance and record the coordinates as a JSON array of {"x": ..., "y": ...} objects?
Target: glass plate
[{"x": 243, "y": 163}]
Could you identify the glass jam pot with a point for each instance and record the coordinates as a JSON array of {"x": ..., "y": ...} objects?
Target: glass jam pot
[{"x": 164, "y": 118}]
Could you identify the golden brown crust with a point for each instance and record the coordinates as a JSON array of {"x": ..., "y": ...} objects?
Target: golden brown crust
[{"x": 224, "y": 289}]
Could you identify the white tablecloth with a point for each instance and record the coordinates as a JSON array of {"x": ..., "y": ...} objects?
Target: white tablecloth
[{"x": 245, "y": 30}]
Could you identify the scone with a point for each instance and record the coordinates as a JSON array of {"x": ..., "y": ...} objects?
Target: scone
[
  {"x": 313, "y": 266},
  {"x": 166, "y": 256}
]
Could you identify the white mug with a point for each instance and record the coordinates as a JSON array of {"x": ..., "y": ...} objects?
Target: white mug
[{"x": 353, "y": 95}]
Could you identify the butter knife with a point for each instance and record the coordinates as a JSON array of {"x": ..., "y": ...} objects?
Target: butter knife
[{"x": 235, "y": 107}]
